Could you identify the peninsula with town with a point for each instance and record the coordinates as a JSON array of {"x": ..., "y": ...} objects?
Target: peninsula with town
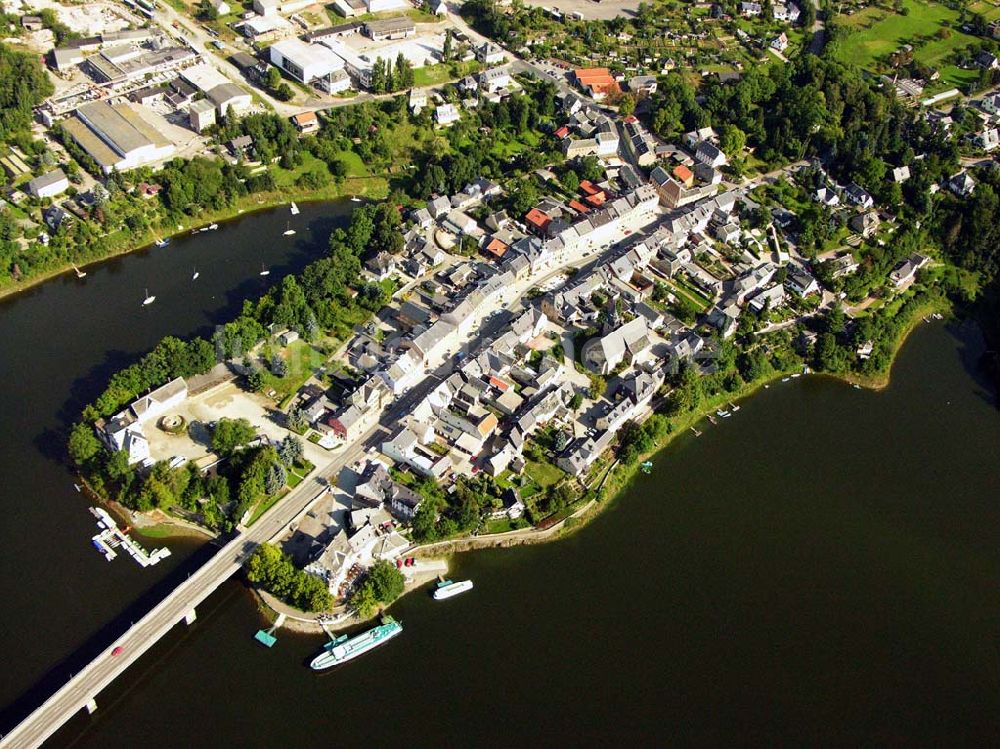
[{"x": 576, "y": 234}]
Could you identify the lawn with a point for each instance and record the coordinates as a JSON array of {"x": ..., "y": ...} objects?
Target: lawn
[
  {"x": 264, "y": 505},
  {"x": 302, "y": 360},
  {"x": 543, "y": 474},
  {"x": 359, "y": 180},
  {"x": 434, "y": 75},
  {"x": 692, "y": 297},
  {"x": 880, "y": 32},
  {"x": 298, "y": 473}
]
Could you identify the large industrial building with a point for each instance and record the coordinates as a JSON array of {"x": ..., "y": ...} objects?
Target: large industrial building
[
  {"x": 127, "y": 62},
  {"x": 117, "y": 137},
  {"x": 225, "y": 95},
  {"x": 310, "y": 63}
]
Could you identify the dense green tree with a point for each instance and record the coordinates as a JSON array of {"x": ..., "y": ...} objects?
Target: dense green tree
[
  {"x": 230, "y": 434},
  {"x": 83, "y": 444}
]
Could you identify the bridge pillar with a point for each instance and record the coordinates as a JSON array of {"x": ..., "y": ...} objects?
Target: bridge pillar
[
  {"x": 189, "y": 617},
  {"x": 92, "y": 706}
]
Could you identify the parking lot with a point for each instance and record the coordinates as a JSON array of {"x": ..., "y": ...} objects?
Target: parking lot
[{"x": 225, "y": 401}]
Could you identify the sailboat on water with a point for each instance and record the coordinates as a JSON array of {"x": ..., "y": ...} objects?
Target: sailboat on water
[
  {"x": 264, "y": 270},
  {"x": 148, "y": 300},
  {"x": 194, "y": 276},
  {"x": 294, "y": 209},
  {"x": 289, "y": 231},
  {"x": 79, "y": 273}
]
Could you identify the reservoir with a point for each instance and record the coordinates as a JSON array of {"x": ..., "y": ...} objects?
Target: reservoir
[{"x": 821, "y": 567}]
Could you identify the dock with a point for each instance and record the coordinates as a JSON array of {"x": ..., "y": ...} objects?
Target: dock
[
  {"x": 266, "y": 636},
  {"x": 111, "y": 539}
]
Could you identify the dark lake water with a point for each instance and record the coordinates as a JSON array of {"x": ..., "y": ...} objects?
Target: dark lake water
[
  {"x": 820, "y": 568},
  {"x": 59, "y": 342}
]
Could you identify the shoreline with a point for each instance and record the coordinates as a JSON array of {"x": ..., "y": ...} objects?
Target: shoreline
[
  {"x": 613, "y": 484},
  {"x": 244, "y": 207}
]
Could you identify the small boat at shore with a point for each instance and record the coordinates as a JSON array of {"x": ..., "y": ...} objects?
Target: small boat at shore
[
  {"x": 646, "y": 466},
  {"x": 712, "y": 419},
  {"x": 213, "y": 227},
  {"x": 161, "y": 242},
  {"x": 343, "y": 649},
  {"x": 294, "y": 209},
  {"x": 79, "y": 273},
  {"x": 448, "y": 589},
  {"x": 355, "y": 199}
]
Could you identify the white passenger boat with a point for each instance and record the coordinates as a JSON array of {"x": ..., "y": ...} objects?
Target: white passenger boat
[
  {"x": 294, "y": 209},
  {"x": 343, "y": 649},
  {"x": 447, "y": 589}
]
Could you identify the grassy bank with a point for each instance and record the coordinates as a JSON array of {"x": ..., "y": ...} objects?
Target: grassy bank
[{"x": 369, "y": 187}]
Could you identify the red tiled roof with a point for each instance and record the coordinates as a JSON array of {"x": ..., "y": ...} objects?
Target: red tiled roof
[
  {"x": 496, "y": 247},
  {"x": 538, "y": 219},
  {"x": 562, "y": 132},
  {"x": 683, "y": 173},
  {"x": 595, "y": 200},
  {"x": 579, "y": 207},
  {"x": 498, "y": 383},
  {"x": 598, "y": 80},
  {"x": 589, "y": 187}
]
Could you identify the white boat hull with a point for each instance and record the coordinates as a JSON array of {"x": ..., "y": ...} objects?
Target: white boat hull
[{"x": 450, "y": 591}]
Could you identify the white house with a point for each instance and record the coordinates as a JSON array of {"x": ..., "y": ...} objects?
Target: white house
[
  {"x": 446, "y": 114},
  {"x": 48, "y": 185},
  {"x": 708, "y": 153},
  {"x": 494, "y": 79}
]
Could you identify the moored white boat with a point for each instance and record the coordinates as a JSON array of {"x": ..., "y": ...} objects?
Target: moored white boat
[
  {"x": 447, "y": 589},
  {"x": 294, "y": 209},
  {"x": 344, "y": 649}
]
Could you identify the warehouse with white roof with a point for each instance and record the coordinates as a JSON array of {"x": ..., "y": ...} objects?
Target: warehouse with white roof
[{"x": 310, "y": 63}]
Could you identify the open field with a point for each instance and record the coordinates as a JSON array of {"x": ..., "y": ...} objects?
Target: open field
[{"x": 878, "y": 32}]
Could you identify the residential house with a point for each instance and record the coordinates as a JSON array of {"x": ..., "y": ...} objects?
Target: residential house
[
  {"x": 708, "y": 153},
  {"x": 306, "y": 122},
  {"x": 360, "y": 410},
  {"x": 906, "y": 270},
  {"x": 489, "y": 53},
  {"x": 446, "y": 114},
  {"x": 800, "y": 282},
  {"x": 858, "y": 196},
  {"x": 624, "y": 344},
  {"x": 769, "y": 298},
  {"x": 962, "y": 184},
  {"x": 865, "y": 224}
]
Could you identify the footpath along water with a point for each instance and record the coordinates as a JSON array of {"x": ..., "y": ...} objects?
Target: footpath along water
[
  {"x": 59, "y": 343},
  {"x": 820, "y": 568}
]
